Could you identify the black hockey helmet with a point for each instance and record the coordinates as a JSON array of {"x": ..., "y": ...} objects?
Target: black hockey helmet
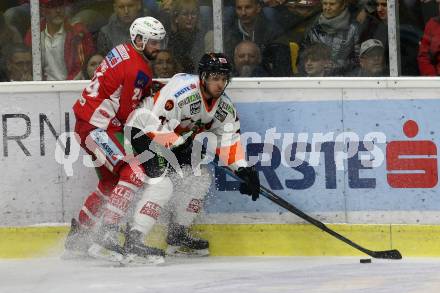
[{"x": 214, "y": 63}]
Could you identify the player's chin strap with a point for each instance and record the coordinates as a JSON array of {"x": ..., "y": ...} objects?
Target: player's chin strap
[{"x": 386, "y": 254}]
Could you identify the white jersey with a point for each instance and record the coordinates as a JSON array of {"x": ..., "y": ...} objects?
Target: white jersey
[{"x": 178, "y": 110}]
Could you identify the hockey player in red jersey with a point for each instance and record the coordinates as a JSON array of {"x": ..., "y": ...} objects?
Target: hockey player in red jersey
[
  {"x": 122, "y": 79},
  {"x": 166, "y": 125}
]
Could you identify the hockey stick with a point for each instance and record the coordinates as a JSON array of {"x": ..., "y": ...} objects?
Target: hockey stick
[{"x": 386, "y": 254}]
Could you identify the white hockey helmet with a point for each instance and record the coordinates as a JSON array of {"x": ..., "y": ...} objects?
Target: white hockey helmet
[{"x": 148, "y": 28}]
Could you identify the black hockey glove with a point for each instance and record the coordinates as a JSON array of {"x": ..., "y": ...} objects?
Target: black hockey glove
[
  {"x": 251, "y": 184},
  {"x": 183, "y": 152}
]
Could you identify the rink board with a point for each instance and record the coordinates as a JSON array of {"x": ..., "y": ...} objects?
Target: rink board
[
  {"x": 35, "y": 189},
  {"x": 251, "y": 240}
]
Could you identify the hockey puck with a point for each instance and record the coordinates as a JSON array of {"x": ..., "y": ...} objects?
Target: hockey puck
[{"x": 365, "y": 260}]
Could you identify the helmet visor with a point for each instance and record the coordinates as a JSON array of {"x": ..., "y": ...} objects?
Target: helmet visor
[{"x": 157, "y": 44}]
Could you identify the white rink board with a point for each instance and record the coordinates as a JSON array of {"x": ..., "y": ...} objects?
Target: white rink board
[{"x": 35, "y": 189}]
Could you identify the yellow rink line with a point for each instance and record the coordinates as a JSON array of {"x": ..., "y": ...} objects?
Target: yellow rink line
[{"x": 251, "y": 240}]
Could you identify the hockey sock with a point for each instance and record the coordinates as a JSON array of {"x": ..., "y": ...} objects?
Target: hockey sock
[
  {"x": 90, "y": 212},
  {"x": 122, "y": 195},
  {"x": 149, "y": 207}
]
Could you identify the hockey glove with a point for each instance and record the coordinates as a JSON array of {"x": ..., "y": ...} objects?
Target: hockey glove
[
  {"x": 183, "y": 152},
  {"x": 251, "y": 184}
]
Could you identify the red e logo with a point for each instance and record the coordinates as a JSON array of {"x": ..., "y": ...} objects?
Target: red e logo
[{"x": 412, "y": 164}]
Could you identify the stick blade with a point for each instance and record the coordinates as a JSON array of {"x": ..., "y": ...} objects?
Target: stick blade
[{"x": 387, "y": 254}]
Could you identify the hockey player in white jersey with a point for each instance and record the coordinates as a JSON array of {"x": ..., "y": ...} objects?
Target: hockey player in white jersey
[{"x": 167, "y": 124}]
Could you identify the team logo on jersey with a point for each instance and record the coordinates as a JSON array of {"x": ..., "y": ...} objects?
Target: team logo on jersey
[
  {"x": 195, "y": 107},
  {"x": 141, "y": 80},
  {"x": 123, "y": 52},
  {"x": 116, "y": 122},
  {"x": 189, "y": 99},
  {"x": 107, "y": 146},
  {"x": 169, "y": 105},
  {"x": 184, "y": 90},
  {"x": 104, "y": 113},
  {"x": 113, "y": 58},
  {"x": 220, "y": 115},
  {"x": 227, "y": 107}
]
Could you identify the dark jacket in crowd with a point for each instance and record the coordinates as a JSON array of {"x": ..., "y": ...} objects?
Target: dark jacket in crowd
[
  {"x": 187, "y": 48},
  {"x": 342, "y": 38},
  {"x": 265, "y": 33},
  {"x": 112, "y": 34}
]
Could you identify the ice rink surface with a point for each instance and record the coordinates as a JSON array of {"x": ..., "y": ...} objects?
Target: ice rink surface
[{"x": 223, "y": 274}]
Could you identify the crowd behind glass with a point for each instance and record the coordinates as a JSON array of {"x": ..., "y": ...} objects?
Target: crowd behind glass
[{"x": 268, "y": 38}]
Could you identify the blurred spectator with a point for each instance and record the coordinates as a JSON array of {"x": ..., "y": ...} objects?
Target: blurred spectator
[
  {"x": 18, "y": 16},
  {"x": 64, "y": 47},
  {"x": 165, "y": 65},
  {"x": 411, "y": 31},
  {"x": 8, "y": 34},
  {"x": 375, "y": 23},
  {"x": 89, "y": 67},
  {"x": 371, "y": 59},
  {"x": 276, "y": 60},
  {"x": 315, "y": 61},
  {"x": 298, "y": 17},
  {"x": 115, "y": 31},
  {"x": 382, "y": 10},
  {"x": 336, "y": 29},
  {"x": 94, "y": 14},
  {"x": 18, "y": 63},
  {"x": 250, "y": 24},
  {"x": 271, "y": 11},
  {"x": 247, "y": 60},
  {"x": 151, "y": 7},
  {"x": 429, "y": 49},
  {"x": 186, "y": 39}
]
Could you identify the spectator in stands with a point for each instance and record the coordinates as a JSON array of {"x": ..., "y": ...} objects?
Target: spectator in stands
[
  {"x": 382, "y": 10},
  {"x": 247, "y": 60},
  {"x": 165, "y": 65},
  {"x": 64, "y": 47},
  {"x": 336, "y": 29},
  {"x": 371, "y": 61},
  {"x": 429, "y": 49},
  {"x": 250, "y": 24},
  {"x": 186, "y": 39},
  {"x": 18, "y": 63},
  {"x": 19, "y": 16},
  {"x": 373, "y": 20},
  {"x": 298, "y": 17},
  {"x": 276, "y": 60},
  {"x": 374, "y": 24},
  {"x": 89, "y": 67},
  {"x": 8, "y": 34},
  {"x": 93, "y": 14},
  {"x": 315, "y": 61},
  {"x": 115, "y": 31},
  {"x": 411, "y": 27}
]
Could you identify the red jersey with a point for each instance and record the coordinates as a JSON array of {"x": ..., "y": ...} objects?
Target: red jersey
[{"x": 116, "y": 89}]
